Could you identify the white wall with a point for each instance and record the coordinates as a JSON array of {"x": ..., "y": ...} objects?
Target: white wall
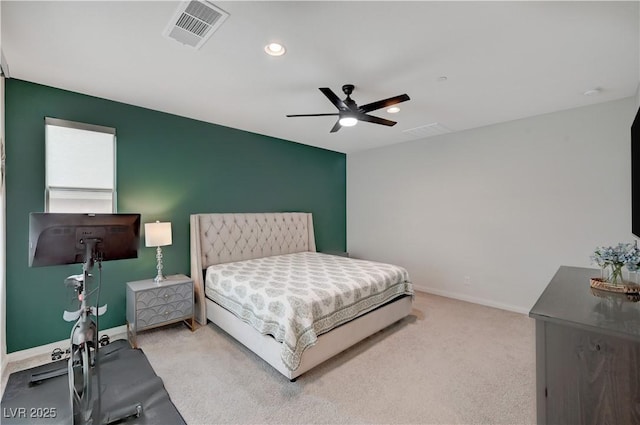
[
  {"x": 3, "y": 339},
  {"x": 504, "y": 205}
]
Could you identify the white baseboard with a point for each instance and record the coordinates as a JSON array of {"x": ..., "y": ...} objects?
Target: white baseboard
[
  {"x": 471, "y": 299},
  {"x": 118, "y": 331}
]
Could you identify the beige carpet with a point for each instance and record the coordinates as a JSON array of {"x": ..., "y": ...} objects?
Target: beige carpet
[{"x": 450, "y": 362}]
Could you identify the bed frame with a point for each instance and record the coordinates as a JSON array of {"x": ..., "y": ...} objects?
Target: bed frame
[{"x": 224, "y": 238}]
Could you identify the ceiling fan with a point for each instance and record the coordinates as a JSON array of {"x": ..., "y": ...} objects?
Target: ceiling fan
[{"x": 350, "y": 113}]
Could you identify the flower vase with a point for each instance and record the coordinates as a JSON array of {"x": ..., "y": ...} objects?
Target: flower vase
[
  {"x": 612, "y": 280},
  {"x": 612, "y": 260},
  {"x": 613, "y": 275}
]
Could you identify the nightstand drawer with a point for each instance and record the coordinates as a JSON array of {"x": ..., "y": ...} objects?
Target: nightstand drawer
[
  {"x": 148, "y": 317},
  {"x": 164, "y": 295}
]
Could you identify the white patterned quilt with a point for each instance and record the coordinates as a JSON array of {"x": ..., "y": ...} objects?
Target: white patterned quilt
[{"x": 296, "y": 297}]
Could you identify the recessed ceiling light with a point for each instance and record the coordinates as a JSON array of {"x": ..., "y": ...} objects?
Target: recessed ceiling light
[
  {"x": 275, "y": 49},
  {"x": 592, "y": 92},
  {"x": 348, "y": 121},
  {"x": 393, "y": 110},
  {"x": 442, "y": 79}
]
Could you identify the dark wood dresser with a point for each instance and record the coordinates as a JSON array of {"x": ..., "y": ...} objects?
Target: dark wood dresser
[{"x": 587, "y": 353}]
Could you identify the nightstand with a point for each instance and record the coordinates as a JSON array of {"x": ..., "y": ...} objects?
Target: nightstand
[{"x": 152, "y": 304}]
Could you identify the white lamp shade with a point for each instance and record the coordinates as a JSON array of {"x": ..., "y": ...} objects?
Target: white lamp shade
[{"x": 157, "y": 234}]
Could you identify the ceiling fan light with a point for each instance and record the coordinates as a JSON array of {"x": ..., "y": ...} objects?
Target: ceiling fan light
[
  {"x": 348, "y": 121},
  {"x": 275, "y": 49},
  {"x": 393, "y": 110}
]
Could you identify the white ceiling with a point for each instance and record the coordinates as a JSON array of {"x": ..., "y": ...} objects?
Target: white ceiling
[{"x": 502, "y": 60}]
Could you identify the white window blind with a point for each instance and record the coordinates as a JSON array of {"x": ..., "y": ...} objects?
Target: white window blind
[{"x": 80, "y": 167}]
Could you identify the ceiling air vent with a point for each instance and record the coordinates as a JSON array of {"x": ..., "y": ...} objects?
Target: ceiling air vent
[
  {"x": 433, "y": 129},
  {"x": 194, "y": 22}
]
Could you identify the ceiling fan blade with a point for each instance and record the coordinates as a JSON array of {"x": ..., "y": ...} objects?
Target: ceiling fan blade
[
  {"x": 384, "y": 103},
  {"x": 336, "y": 127},
  {"x": 376, "y": 120},
  {"x": 313, "y": 115},
  {"x": 338, "y": 103}
]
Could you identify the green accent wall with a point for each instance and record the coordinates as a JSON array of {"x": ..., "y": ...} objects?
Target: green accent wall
[{"x": 168, "y": 167}]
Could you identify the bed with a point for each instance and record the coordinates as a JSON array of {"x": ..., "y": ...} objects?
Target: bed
[{"x": 259, "y": 278}]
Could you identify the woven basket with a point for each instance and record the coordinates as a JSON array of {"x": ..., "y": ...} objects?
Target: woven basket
[
  {"x": 615, "y": 296},
  {"x": 625, "y": 288}
]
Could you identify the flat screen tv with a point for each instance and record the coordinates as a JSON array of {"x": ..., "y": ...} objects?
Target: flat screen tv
[
  {"x": 61, "y": 238},
  {"x": 635, "y": 175}
]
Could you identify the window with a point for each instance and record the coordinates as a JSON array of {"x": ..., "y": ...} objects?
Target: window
[{"x": 80, "y": 167}]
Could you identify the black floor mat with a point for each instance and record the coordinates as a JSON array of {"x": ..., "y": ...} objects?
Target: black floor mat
[{"x": 126, "y": 378}]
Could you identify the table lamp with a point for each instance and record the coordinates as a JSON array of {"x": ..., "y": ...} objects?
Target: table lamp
[{"x": 158, "y": 234}]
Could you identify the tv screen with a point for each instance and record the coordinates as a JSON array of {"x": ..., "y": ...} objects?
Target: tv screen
[
  {"x": 61, "y": 238},
  {"x": 635, "y": 175}
]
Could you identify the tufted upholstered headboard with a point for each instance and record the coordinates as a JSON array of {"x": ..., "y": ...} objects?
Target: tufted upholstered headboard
[{"x": 223, "y": 238}]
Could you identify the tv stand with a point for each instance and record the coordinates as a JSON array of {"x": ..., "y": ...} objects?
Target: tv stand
[{"x": 587, "y": 353}]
